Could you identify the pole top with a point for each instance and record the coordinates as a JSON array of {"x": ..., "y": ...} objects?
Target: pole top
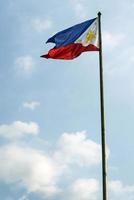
[{"x": 99, "y": 13}]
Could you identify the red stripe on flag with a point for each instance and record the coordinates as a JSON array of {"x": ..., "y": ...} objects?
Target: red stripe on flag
[{"x": 69, "y": 52}]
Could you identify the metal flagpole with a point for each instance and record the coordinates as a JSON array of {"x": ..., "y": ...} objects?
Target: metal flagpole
[{"x": 103, "y": 134}]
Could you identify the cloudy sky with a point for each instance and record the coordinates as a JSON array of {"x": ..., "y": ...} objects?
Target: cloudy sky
[{"x": 50, "y": 120}]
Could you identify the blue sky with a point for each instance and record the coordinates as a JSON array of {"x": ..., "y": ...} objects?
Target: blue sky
[{"x": 50, "y": 121}]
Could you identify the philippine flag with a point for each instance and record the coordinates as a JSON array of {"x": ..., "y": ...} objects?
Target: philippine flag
[{"x": 70, "y": 43}]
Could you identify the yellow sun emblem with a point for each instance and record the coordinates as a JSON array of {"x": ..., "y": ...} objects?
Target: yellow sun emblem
[{"x": 90, "y": 36}]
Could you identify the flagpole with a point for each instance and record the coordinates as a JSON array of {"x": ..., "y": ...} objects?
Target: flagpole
[{"x": 103, "y": 134}]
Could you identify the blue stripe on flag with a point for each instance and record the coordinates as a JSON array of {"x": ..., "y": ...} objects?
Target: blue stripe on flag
[{"x": 70, "y": 35}]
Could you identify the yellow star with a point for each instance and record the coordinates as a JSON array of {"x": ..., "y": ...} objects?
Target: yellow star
[{"x": 90, "y": 36}]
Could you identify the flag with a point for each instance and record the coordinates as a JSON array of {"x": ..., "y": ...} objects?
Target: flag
[{"x": 70, "y": 43}]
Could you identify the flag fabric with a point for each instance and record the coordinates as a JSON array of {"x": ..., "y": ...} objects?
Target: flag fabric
[{"x": 70, "y": 43}]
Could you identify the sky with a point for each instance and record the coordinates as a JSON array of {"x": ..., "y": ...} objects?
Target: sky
[{"x": 50, "y": 138}]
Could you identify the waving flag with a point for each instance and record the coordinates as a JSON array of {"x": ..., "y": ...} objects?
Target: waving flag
[{"x": 70, "y": 43}]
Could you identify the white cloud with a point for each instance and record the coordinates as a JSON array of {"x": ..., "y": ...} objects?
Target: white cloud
[
  {"x": 41, "y": 172},
  {"x": 18, "y": 129},
  {"x": 79, "y": 8},
  {"x": 24, "y": 197},
  {"x": 84, "y": 189},
  {"x": 77, "y": 148},
  {"x": 41, "y": 25},
  {"x": 31, "y": 105},
  {"x": 121, "y": 191},
  {"x": 24, "y": 64},
  {"x": 29, "y": 168},
  {"x": 111, "y": 40}
]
